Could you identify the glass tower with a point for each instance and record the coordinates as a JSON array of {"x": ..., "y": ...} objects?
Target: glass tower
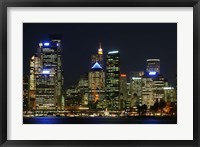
[
  {"x": 113, "y": 80},
  {"x": 48, "y": 75}
]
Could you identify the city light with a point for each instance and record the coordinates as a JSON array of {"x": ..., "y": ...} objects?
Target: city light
[
  {"x": 168, "y": 88},
  {"x": 123, "y": 75},
  {"x": 100, "y": 52},
  {"x": 46, "y": 44},
  {"x": 45, "y": 71},
  {"x": 136, "y": 78},
  {"x": 113, "y": 52},
  {"x": 96, "y": 66},
  {"x": 152, "y": 73},
  {"x": 153, "y": 60},
  {"x": 40, "y": 44}
]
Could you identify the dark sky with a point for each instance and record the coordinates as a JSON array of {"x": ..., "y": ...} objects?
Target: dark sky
[{"x": 135, "y": 41}]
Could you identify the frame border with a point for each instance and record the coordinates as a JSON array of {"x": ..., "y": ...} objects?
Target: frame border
[{"x": 98, "y": 3}]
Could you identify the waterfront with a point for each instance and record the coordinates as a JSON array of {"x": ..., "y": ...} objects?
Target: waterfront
[{"x": 100, "y": 120}]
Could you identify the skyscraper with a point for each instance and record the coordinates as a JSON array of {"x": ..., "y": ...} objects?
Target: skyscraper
[
  {"x": 153, "y": 66},
  {"x": 113, "y": 80},
  {"x": 96, "y": 80},
  {"x": 47, "y": 75},
  {"x": 123, "y": 90},
  {"x": 34, "y": 70},
  {"x": 136, "y": 87}
]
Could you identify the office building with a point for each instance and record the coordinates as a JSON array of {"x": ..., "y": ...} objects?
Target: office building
[
  {"x": 96, "y": 81},
  {"x": 113, "y": 80},
  {"x": 123, "y": 91},
  {"x": 136, "y": 88},
  {"x": 46, "y": 75}
]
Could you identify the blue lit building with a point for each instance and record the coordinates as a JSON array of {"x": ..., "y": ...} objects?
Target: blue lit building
[
  {"x": 96, "y": 81},
  {"x": 153, "y": 66},
  {"x": 48, "y": 75},
  {"x": 153, "y": 83}
]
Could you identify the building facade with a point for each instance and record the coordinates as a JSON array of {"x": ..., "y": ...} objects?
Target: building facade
[
  {"x": 113, "y": 80},
  {"x": 46, "y": 75},
  {"x": 153, "y": 65},
  {"x": 123, "y": 91}
]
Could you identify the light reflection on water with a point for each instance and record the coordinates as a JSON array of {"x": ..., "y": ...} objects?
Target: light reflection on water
[{"x": 97, "y": 120}]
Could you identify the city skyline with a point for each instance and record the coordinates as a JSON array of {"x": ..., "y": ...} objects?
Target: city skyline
[
  {"x": 115, "y": 84},
  {"x": 130, "y": 61}
]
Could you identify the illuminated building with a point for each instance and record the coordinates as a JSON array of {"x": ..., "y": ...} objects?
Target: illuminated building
[
  {"x": 35, "y": 67},
  {"x": 113, "y": 80},
  {"x": 153, "y": 66},
  {"x": 46, "y": 75},
  {"x": 73, "y": 98},
  {"x": 159, "y": 83},
  {"x": 169, "y": 94},
  {"x": 123, "y": 91},
  {"x": 152, "y": 88},
  {"x": 96, "y": 81},
  {"x": 97, "y": 57},
  {"x": 136, "y": 88},
  {"x": 148, "y": 91},
  {"x": 129, "y": 99},
  {"x": 83, "y": 89}
]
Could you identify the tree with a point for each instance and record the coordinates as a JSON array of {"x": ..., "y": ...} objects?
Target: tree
[
  {"x": 161, "y": 106},
  {"x": 142, "y": 109}
]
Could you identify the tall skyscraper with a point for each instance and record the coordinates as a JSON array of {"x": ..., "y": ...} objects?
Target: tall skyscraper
[
  {"x": 148, "y": 91},
  {"x": 34, "y": 70},
  {"x": 96, "y": 80},
  {"x": 123, "y": 90},
  {"x": 113, "y": 80},
  {"x": 46, "y": 74},
  {"x": 83, "y": 89},
  {"x": 153, "y": 83},
  {"x": 136, "y": 87},
  {"x": 153, "y": 66}
]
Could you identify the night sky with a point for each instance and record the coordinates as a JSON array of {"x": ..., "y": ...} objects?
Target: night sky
[{"x": 135, "y": 41}]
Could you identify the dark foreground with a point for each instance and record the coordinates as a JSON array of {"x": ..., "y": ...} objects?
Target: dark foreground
[{"x": 100, "y": 120}]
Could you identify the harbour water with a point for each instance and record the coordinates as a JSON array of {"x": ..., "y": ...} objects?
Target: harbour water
[{"x": 99, "y": 120}]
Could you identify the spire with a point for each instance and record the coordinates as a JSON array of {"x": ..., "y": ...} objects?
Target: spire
[
  {"x": 99, "y": 45},
  {"x": 100, "y": 50}
]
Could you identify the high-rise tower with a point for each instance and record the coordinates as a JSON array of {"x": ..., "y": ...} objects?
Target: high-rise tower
[
  {"x": 113, "y": 80},
  {"x": 96, "y": 81},
  {"x": 47, "y": 74}
]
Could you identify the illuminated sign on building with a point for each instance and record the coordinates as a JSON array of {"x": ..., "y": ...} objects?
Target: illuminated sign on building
[
  {"x": 46, "y": 44},
  {"x": 96, "y": 66},
  {"x": 123, "y": 75},
  {"x": 46, "y": 71},
  {"x": 152, "y": 73},
  {"x": 113, "y": 52},
  {"x": 168, "y": 88},
  {"x": 136, "y": 78}
]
